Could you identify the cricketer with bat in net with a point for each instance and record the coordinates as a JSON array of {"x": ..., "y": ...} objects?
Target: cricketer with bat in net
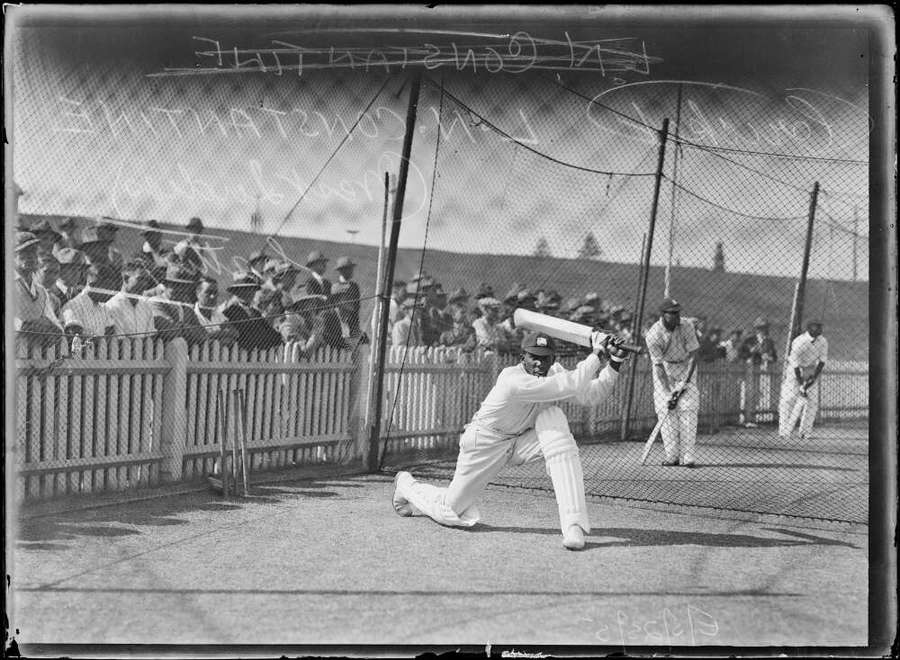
[
  {"x": 672, "y": 344},
  {"x": 800, "y": 394},
  {"x": 517, "y": 423}
]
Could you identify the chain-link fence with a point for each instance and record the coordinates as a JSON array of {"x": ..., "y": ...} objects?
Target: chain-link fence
[
  {"x": 527, "y": 189},
  {"x": 753, "y": 233}
]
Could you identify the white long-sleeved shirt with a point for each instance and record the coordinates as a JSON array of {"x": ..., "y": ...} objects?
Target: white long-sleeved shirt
[
  {"x": 93, "y": 318},
  {"x": 488, "y": 336},
  {"x": 132, "y": 315},
  {"x": 807, "y": 352},
  {"x": 33, "y": 302},
  {"x": 214, "y": 322},
  {"x": 517, "y": 397}
]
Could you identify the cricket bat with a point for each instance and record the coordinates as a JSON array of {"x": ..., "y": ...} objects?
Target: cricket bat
[
  {"x": 561, "y": 329},
  {"x": 653, "y": 435}
]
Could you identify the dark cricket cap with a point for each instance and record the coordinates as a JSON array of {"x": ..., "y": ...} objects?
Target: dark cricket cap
[
  {"x": 538, "y": 343},
  {"x": 670, "y": 305}
]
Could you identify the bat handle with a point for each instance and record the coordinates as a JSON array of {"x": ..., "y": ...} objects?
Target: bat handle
[{"x": 631, "y": 348}]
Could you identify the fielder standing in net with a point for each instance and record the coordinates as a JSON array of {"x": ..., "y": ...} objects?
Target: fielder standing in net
[
  {"x": 800, "y": 394},
  {"x": 672, "y": 344},
  {"x": 517, "y": 423}
]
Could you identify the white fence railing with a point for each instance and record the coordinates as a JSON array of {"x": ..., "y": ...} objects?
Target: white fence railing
[{"x": 135, "y": 413}]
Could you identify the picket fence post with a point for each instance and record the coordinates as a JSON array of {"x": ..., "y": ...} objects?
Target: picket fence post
[{"x": 173, "y": 434}]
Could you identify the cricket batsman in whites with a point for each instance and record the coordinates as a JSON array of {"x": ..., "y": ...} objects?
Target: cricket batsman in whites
[{"x": 517, "y": 423}]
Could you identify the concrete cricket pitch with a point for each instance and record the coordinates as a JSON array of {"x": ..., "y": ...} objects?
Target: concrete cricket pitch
[{"x": 328, "y": 562}]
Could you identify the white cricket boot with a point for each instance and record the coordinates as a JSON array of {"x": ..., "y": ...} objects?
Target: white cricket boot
[
  {"x": 573, "y": 538},
  {"x": 402, "y": 507}
]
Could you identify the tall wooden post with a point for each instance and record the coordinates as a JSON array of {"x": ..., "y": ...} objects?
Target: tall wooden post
[
  {"x": 372, "y": 459},
  {"x": 381, "y": 298},
  {"x": 855, "y": 236},
  {"x": 645, "y": 268},
  {"x": 801, "y": 286},
  {"x": 672, "y": 203}
]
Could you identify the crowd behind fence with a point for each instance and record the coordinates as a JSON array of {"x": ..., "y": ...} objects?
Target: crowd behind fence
[{"x": 133, "y": 413}]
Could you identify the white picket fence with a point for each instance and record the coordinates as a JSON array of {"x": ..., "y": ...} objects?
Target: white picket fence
[{"x": 137, "y": 413}]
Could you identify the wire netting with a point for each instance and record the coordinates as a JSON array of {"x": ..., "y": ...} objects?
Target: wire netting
[
  {"x": 566, "y": 218},
  {"x": 534, "y": 189}
]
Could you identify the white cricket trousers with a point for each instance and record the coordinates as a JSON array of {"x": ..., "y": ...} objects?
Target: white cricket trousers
[
  {"x": 679, "y": 431},
  {"x": 793, "y": 406},
  {"x": 483, "y": 454}
]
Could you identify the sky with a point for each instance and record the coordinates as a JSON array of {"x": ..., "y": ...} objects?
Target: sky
[{"x": 526, "y": 128}]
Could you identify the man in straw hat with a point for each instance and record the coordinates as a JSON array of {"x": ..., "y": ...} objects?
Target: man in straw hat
[
  {"x": 49, "y": 238},
  {"x": 69, "y": 237},
  {"x": 152, "y": 250},
  {"x": 34, "y": 313},
  {"x": 86, "y": 314},
  {"x": 317, "y": 284},
  {"x": 284, "y": 281},
  {"x": 489, "y": 334},
  {"x": 460, "y": 333},
  {"x": 407, "y": 330},
  {"x": 350, "y": 295},
  {"x": 190, "y": 249},
  {"x": 519, "y": 422},
  {"x": 107, "y": 232},
  {"x": 72, "y": 274},
  {"x": 95, "y": 246},
  {"x": 253, "y": 330},
  {"x": 173, "y": 314}
]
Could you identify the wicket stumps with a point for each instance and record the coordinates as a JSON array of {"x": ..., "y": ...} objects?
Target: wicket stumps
[{"x": 220, "y": 482}]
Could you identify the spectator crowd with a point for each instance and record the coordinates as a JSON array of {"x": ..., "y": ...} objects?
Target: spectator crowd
[{"x": 74, "y": 281}]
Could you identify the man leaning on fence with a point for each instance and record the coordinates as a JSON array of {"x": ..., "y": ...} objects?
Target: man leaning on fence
[
  {"x": 86, "y": 315},
  {"x": 132, "y": 313},
  {"x": 488, "y": 332},
  {"x": 207, "y": 311},
  {"x": 253, "y": 330},
  {"x": 173, "y": 315},
  {"x": 800, "y": 387},
  {"x": 34, "y": 313}
]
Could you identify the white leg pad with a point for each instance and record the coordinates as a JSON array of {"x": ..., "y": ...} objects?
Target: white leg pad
[
  {"x": 787, "y": 408},
  {"x": 687, "y": 433},
  {"x": 564, "y": 467},
  {"x": 429, "y": 500},
  {"x": 670, "y": 434},
  {"x": 809, "y": 412}
]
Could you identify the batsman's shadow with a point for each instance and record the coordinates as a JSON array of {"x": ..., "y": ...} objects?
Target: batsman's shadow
[{"x": 612, "y": 537}]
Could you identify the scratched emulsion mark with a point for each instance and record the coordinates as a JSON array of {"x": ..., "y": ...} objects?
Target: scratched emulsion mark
[
  {"x": 380, "y": 123},
  {"x": 516, "y": 54},
  {"x": 686, "y": 625},
  {"x": 274, "y": 187},
  {"x": 720, "y": 115}
]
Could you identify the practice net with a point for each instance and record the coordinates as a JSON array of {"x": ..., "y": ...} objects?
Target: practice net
[{"x": 528, "y": 189}]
